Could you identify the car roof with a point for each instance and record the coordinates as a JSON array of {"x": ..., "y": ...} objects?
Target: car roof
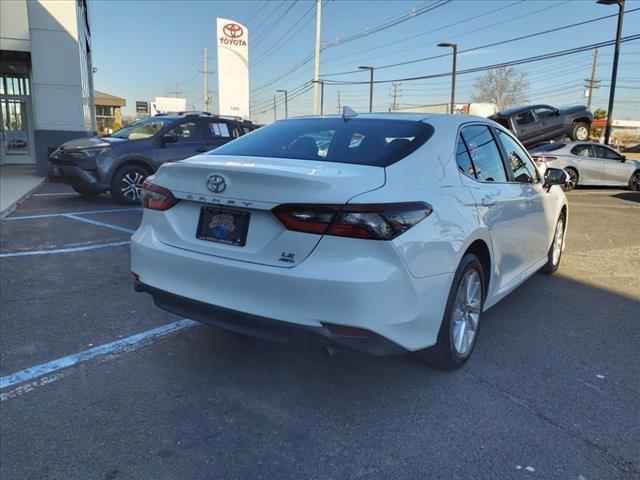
[
  {"x": 178, "y": 116},
  {"x": 441, "y": 120}
]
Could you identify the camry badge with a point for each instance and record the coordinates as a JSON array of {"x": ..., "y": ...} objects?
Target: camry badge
[{"x": 216, "y": 184}]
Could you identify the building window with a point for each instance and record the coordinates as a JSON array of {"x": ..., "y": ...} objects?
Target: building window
[
  {"x": 105, "y": 111},
  {"x": 14, "y": 86}
]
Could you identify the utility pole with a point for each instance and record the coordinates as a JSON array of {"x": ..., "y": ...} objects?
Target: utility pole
[
  {"x": 175, "y": 92},
  {"x": 286, "y": 103},
  {"x": 370, "y": 86},
  {"x": 316, "y": 67},
  {"x": 206, "y": 99},
  {"x": 395, "y": 94},
  {"x": 592, "y": 82},
  {"x": 274, "y": 107},
  {"x": 339, "y": 106},
  {"x": 614, "y": 68},
  {"x": 321, "y": 82},
  {"x": 453, "y": 46}
]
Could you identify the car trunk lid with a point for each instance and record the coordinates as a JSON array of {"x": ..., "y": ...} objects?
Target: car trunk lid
[{"x": 254, "y": 185}]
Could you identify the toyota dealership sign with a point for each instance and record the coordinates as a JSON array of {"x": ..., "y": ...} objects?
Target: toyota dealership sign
[{"x": 233, "y": 68}]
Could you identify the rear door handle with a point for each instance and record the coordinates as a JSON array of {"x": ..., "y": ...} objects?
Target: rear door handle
[
  {"x": 488, "y": 202},
  {"x": 202, "y": 149}
]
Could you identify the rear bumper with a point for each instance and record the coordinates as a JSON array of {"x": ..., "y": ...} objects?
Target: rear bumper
[
  {"x": 337, "y": 284},
  {"x": 267, "y": 328}
]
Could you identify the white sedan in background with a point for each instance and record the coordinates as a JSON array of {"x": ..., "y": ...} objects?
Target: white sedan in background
[
  {"x": 381, "y": 233},
  {"x": 589, "y": 163}
]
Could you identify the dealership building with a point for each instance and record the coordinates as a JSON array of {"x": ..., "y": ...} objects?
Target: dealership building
[{"x": 46, "y": 78}]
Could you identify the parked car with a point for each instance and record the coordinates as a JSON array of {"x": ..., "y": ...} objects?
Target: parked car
[
  {"x": 395, "y": 238},
  {"x": 120, "y": 162},
  {"x": 589, "y": 163},
  {"x": 535, "y": 124}
]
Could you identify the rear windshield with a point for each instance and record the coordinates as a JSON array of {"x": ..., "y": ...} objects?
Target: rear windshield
[
  {"x": 549, "y": 147},
  {"x": 359, "y": 141}
]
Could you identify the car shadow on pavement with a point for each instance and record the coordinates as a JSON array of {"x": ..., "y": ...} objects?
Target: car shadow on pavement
[{"x": 629, "y": 196}]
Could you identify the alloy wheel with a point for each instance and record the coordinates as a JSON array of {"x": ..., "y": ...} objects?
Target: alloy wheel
[
  {"x": 582, "y": 133},
  {"x": 635, "y": 181},
  {"x": 572, "y": 180},
  {"x": 466, "y": 312},
  {"x": 557, "y": 242},
  {"x": 132, "y": 184}
]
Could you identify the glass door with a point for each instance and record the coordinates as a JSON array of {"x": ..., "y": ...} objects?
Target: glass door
[{"x": 15, "y": 135}]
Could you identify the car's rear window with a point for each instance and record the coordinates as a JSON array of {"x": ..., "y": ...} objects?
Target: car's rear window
[
  {"x": 360, "y": 141},
  {"x": 549, "y": 147}
]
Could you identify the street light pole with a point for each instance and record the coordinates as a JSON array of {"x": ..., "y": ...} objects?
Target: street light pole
[
  {"x": 370, "y": 86},
  {"x": 614, "y": 70},
  {"x": 454, "y": 46},
  {"x": 286, "y": 103}
]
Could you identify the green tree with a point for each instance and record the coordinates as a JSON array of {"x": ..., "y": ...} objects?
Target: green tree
[{"x": 600, "y": 113}]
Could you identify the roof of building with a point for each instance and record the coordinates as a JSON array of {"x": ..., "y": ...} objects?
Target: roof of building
[{"x": 108, "y": 100}]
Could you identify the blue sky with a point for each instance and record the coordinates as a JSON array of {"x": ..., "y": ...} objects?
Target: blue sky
[{"x": 141, "y": 48}]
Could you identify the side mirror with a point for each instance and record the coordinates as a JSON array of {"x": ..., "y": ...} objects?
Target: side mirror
[
  {"x": 554, "y": 176},
  {"x": 556, "y": 113},
  {"x": 169, "y": 138},
  {"x": 623, "y": 159}
]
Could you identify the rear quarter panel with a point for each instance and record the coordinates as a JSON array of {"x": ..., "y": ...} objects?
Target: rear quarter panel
[{"x": 436, "y": 244}]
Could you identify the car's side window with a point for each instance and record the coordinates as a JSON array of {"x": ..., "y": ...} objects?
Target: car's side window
[
  {"x": 218, "y": 129},
  {"x": 525, "y": 117},
  {"x": 463, "y": 159},
  {"x": 544, "y": 112},
  {"x": 187, "y": 132},
  {"x": 485, "y": 156},
  {"x": 606, "y": 153},
  {"x": 583, "y": 150},
  {"x": 522, "y": 167}
]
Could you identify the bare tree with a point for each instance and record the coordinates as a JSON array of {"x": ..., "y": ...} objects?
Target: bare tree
[{"x": 505, "y": 86}]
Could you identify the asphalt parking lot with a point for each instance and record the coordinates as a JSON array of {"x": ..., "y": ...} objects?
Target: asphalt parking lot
[{"x": 100, "y": 384}]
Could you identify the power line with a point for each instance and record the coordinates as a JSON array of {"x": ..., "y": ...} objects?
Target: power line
[
  {"x": 258, "y": 38},
  {"x": 494, "y": 44},
  {"x": 352, "y": 37},
  {"x": 388, "y": 24},
  {"x": 288, "y": 36},
  {"x": 257, "y": 29},
  {"x": 521, "y": 61},
  {"x": 403, "y": 40},
  {"x": 255, "y": 14}
]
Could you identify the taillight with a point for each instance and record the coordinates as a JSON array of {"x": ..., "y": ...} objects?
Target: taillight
[
  {"x": 155, "y": 197},
  {"x": 371, "y": 221}
]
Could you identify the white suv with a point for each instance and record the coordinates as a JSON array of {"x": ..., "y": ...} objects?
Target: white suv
[{"x": 382, "y": 233}]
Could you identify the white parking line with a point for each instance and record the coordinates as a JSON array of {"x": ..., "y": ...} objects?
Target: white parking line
[
  {"x": 100, "y": 224},
  {"x": 64, "y": 250},
  {"x": 86, "y": 212},
  {"x": 125, "y": 344},
  {"x": 52, "y": 194}
]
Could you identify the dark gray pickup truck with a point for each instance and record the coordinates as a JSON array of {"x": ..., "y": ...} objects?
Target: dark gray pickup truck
[{"x": 534, "y": 124}]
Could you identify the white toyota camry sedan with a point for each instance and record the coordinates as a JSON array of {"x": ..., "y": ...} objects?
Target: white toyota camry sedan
[{"x": 380, "y": 233}]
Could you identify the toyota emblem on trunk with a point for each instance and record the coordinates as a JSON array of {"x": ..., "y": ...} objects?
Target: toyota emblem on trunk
[{"x": 216, "y": 184}]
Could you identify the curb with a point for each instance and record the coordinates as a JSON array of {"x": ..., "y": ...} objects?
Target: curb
[{"x": 9, "y": 210}]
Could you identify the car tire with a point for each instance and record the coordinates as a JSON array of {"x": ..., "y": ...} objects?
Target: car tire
[
  {"x": 634, "y": 181},
  {"x": 127, "y": 183},
  {"x": 460, "y": 324},
  {"x": 86, "y": 191},
  {"x": 555, "y": 250},
  {"x": 580, "y": 132},
  {"x": 572, "y": 179}
]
